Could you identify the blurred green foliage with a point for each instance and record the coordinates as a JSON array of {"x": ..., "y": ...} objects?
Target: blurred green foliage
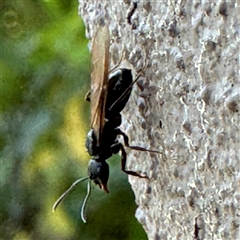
[{"x": 45, "y": 73}]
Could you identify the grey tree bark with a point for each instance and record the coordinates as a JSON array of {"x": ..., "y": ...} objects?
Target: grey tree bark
[{"x": 186, "y": 104}]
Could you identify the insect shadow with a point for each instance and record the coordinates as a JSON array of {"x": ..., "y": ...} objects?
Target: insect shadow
[{"x": 108, "y": 96}]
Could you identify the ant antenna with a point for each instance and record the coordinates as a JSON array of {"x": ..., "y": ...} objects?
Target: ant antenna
[
  {"x": 60, "y": 199},
  {"x": 85, "y": 201}
]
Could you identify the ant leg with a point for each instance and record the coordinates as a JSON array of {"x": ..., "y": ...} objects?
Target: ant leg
[
  {"x": 88, "y": 96},
  {"x": 126, "y": 142},
  {"x": 116, "y": 147},
  {"x": 124, "y": 160}
]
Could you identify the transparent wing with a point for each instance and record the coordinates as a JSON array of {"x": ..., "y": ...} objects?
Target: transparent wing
[{"x": 99, "y": 80}]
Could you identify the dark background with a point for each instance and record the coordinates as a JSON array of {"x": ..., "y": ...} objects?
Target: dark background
[{"x": 45, "y": 73}]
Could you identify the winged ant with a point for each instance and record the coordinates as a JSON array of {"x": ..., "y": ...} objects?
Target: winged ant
[{"x": 108, "y": 98}]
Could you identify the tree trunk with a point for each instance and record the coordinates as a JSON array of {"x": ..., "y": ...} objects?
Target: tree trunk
[{"x": 186, "y": 105}]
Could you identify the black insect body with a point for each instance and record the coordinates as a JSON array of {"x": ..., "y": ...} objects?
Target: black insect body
[
  {"x": 108, "y": 98},
  {"x": 118, "y": 93},
  {"x": 98, "y": 169},
  {"x": 119, "y": 90}
]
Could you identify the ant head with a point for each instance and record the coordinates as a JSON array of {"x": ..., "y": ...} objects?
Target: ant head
[{"x": 99, "y": 172}]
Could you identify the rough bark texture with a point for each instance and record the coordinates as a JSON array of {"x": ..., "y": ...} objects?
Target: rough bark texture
[{"x": 187, "y": 104}]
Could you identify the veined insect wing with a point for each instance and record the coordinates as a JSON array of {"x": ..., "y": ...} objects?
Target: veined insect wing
[{"x": 99, "y": 80}]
